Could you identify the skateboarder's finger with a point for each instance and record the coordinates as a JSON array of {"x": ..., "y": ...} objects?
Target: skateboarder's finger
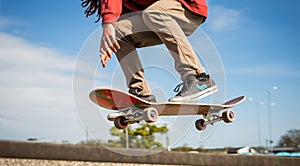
[
  {"x": 103, "y": 63},
  {"x": 105, "y": 51},
  {"x": 109, "y": 53},
  {"x": 115, "y": 43},
  {"x": 103, "y": 57},
  {"x": 109, "y": 45},
  {"x": 114, "y": 47}
]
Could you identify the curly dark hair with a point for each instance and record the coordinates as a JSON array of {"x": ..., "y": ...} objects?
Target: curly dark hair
[{"x": 92, "y": 6}]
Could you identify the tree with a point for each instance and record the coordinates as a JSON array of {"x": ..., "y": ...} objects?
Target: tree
[
  {"x": 141, "y": 137},
  {"x": 32, "y": 139},
  {"x": 290, "y": 139}
]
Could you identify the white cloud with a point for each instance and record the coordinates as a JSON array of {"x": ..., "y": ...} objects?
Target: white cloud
[
  {"x": 36, "y": 87},
  {"x": 221, "y": 18},
  {"x": 37, "y": 99},
  {"x": 13, "y": 25},
  {"x": 4, "y": 22},
  {"x": 24, "y": 65}
]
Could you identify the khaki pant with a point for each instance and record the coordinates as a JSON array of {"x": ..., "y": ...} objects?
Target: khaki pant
[{"x": 164, "y": 22}]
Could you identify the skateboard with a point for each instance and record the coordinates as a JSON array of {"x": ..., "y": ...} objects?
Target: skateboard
[{"x": 130, "y": 109}]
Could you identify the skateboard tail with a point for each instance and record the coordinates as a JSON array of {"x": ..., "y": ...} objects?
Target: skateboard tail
[
  {"x": 102, "y": 100},
  {"x": 115, "y": 100}
]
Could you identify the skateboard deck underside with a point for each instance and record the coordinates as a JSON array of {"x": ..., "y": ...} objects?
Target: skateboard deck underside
[{"x": 118, "y": 100}]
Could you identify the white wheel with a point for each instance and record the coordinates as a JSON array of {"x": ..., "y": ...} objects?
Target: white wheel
[
  {"x": 200, "y": 124},
  {"x": 120, "y": 122},
  {"x": 228, "y": 116},
  {"x": 151, "y": 115}
]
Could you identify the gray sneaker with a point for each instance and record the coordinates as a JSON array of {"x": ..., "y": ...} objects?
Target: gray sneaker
[
  {"x": 194, "y": 88},
  {"x": 150, "y": 98}
]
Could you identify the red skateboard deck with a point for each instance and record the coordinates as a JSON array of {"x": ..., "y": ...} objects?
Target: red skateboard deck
[
  {"x": 117, "y": 100},
  {"x": 131, "y": 109}
]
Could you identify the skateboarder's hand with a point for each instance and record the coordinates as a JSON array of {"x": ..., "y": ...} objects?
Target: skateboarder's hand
[{"x": 108, "y": 43}]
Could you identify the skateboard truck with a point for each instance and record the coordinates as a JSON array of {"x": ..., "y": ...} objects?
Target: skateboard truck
[
  {"x": 228, "y": 116},
  {"x": 133, "y": 115}
]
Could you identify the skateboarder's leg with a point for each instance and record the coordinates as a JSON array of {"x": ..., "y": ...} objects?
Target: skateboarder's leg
[
  {"x": 131, "y": 34},
  {"x": 172, "y": 22}
]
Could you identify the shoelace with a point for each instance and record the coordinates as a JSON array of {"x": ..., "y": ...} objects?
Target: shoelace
[{"x": 177, "y": 88}]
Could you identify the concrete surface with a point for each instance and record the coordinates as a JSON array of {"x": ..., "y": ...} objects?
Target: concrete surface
[
  {"x": 33, "y": 162},
  {"x": 48, "y": 151}
]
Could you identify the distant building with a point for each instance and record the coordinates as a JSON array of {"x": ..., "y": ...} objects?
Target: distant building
[
  {"x": 284, "y": 149},
  {"x": 242, "y": 150}
]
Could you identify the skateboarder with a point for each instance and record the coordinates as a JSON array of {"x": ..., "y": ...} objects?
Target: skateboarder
[{"x": 153, "y": 22}]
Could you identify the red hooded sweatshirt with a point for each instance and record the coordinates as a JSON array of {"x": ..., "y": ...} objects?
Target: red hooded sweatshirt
[{"x": 112, "y": 9}]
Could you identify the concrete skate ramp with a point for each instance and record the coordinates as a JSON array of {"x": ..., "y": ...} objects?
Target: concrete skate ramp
[{"x": 48, "y": 151}]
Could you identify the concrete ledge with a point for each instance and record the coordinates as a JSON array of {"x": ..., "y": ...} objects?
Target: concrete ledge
[{"x": 98, "y": 154}]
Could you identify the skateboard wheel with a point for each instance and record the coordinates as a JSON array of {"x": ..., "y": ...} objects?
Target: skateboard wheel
[
  {"x": 120, "y": 122},
  {"x": 200, "y": 124},
  {"x": 151, "y": 115},
  {"x": 228, "y": 116}
]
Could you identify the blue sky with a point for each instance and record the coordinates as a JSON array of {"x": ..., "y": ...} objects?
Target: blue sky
[{"x": 43, "y": 43}]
